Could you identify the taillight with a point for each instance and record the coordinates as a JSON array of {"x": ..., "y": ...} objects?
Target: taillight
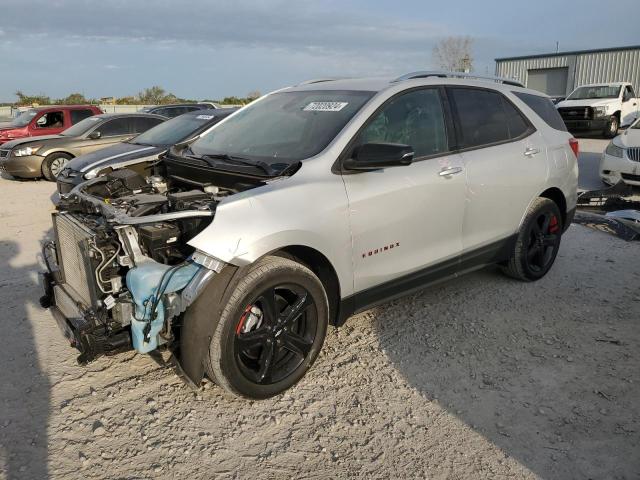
[{"x": 573, "y": 143}]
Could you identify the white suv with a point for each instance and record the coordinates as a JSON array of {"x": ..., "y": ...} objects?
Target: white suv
[{"x": 311, "y": 204}]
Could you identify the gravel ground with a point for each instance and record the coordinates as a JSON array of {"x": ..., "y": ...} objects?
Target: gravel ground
[{"x": 482, "y": 377}]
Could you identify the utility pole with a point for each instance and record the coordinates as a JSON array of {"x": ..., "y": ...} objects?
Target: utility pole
[{"x": 557, "y": 46}]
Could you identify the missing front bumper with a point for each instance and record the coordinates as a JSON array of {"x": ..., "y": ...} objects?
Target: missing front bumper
[{"x": 91, "y": 339}]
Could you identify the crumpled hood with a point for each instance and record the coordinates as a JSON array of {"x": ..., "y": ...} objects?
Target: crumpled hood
[
  {"x": 115, "y": 154},
  {"x": 630, "y": 138},
  {"x": 31, "y": 140},
  {"x": 587, "y": 102}
]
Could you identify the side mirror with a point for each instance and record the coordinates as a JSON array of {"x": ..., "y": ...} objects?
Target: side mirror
[
  {"x": 374, "y": 156},
  {"x": 95, "y": 135}
]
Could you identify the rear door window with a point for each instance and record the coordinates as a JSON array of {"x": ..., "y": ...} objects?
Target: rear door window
[
  {"x": 142, "y": 124},
  {"x": 485, "y": 117},
  {"x": 415, "y": 119},
  {"x": 116, "y": 127},
  {"x": 78, "y": 115},
  {"x": 544, "y": 108}
]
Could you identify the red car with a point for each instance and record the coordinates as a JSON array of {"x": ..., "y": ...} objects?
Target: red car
[{"x": 49, "y": 120}]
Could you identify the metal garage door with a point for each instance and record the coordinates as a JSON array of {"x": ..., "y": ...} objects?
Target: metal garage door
[{"x": 552, "y": 81}]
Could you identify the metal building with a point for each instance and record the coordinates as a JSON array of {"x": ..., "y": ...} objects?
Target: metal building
[{"x": 557, "y": 74}]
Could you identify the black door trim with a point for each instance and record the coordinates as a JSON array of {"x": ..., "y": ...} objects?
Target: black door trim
[{"x": 495, "y": 252}]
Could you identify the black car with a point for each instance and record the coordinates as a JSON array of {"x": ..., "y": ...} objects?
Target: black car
[
  {"x": 140, "y": 152},
  {"x": 177, "y": 109}
]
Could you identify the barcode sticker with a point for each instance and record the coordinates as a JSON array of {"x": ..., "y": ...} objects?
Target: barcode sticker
[
  {"x": 109, "y": 302},
  {"x": 325, "y": 106}
]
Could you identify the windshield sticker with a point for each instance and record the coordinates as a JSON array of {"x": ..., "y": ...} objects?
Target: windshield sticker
[
  {"x": 204, "y": 117},
  {"x": 325, "y": 106},
  {"x": 93, "y": 119}
]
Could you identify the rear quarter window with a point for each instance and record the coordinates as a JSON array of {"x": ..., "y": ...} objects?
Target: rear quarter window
[{"x": 544, "y": 108}]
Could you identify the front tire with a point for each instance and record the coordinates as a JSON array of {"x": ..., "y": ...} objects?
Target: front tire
[
  {"x": 270, "y": 331},
  {"x": 537, "y": 243},
  {"x": 53, "y": 165},
  {"x": 612, "y": 127}
]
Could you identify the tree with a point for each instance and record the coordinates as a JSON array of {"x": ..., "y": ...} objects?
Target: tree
[
  {"x": 24, "y": 99},
  {"x": 73, "y": 99},
  {"x": 253, "y": 95},
  {"x": 453, "y": 54},
  {"x": 153, "y": 96},
  {"x": 126, "y": 101}
]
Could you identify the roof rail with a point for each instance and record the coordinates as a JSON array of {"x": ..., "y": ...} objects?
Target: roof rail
[
  {"x": 442, "y": 74},
  {"x": 319, "y": 80}
]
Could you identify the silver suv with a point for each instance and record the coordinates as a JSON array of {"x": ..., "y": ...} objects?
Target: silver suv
[{"x": 311, "y": 204}]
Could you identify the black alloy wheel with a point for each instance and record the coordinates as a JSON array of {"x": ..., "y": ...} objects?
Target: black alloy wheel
[
  {"x": 275, "y": 333},
  {"x": 544, "y": 239},
  {"x": 537, "y": 242},
  {"x": 270, "y": 330}
]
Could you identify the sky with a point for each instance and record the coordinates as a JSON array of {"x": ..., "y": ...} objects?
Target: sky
[{"x": 211, "y": 49}]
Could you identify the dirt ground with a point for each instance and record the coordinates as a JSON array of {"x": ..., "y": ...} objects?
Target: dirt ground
[{"x": 482, "y": 377}]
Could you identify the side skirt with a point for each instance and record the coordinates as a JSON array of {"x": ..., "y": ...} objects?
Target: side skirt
[{"x": 493, "y": 253}]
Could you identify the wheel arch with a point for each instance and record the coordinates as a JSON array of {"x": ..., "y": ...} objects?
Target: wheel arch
[
  {"x": 319, "y": 264},
  {"x": 54, "y": 152},
  {"x": 556, "y": 195},
  {"x": 618, "y": 114}
]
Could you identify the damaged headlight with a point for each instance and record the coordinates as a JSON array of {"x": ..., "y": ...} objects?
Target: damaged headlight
[
  {"x": 26, "y": 151},
  {"x": 614, "y": 150}
]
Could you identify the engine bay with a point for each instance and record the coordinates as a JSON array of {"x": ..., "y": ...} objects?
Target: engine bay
[
  {"x": 166, "y": 212},
  {"x": 120, "y": 266}
]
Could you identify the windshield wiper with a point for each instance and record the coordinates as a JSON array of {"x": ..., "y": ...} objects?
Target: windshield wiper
[{"x": 264, "y": 166}]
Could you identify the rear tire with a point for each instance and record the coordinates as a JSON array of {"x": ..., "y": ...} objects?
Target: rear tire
[
  {"x": 53, "y": 165},
  {"x": 612, "y": 127},
  {"x": 538, "y": 242},
  {"x": 261, "y": 358}
]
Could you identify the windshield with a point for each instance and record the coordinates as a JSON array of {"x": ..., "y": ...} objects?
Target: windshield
[
  {"x": 636, "y": 125},
  {"x": 283, "y": 127},
  {"x": 174, "y": 130},
  {"x": 597, "y": 91},
  {"x": 81, "y": 127},
  {"x": 24, "y": 118}
]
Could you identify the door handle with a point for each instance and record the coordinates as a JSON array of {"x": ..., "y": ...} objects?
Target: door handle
[
  {"x": 530, "y": 152},
  {"x": 445, "y": 172}
]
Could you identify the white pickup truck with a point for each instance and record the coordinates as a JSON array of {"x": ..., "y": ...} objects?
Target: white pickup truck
[{"x": 601, "y": 108}]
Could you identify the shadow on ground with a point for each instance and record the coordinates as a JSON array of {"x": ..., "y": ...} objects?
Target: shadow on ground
[
  {"x": 25, "y": 387},
  {"x": 549, "y": 381}
]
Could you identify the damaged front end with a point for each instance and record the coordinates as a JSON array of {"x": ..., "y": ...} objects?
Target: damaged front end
[{"x": 120, "y": 272}]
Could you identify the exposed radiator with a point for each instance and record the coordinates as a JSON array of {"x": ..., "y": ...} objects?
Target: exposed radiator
[{"x": 72, "y": 241}]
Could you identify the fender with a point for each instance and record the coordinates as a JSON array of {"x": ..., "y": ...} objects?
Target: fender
[{"x": 200, "y": 321}]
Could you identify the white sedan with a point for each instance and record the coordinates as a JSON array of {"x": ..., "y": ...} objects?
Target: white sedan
[{"x": 621, "y": 158}]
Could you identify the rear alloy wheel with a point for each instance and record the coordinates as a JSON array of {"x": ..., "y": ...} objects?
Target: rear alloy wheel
[
  {"x": 271, "y": 331},
  {"x": 53, "y": 165},
  {"x": 538, "y": 242},
  {"x": 612, "y": 127}
]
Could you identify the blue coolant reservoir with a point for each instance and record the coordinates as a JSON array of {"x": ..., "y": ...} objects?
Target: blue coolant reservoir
[{"x": 143, "y": 282}]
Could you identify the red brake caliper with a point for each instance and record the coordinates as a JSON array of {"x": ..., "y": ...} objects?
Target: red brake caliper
[
  {"x": 553, "y": 225},
  {"x": 242, "y": 319}
]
